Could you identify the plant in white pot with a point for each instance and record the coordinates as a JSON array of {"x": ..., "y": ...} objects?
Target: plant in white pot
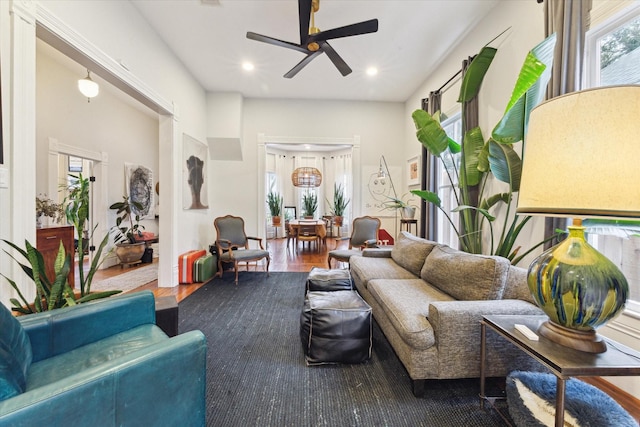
[
  {"x": 126, "y": 230},
  {"x": 404, "y": 205}
]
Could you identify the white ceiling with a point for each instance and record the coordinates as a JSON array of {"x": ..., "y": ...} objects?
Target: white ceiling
[{"x": 413, "y": 36}]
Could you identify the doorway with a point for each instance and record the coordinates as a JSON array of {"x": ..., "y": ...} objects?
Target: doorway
[{"x": 322, "y": 147}]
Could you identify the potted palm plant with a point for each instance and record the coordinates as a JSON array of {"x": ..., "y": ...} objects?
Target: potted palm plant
[
  {"x": 309, "y": 204},
  {"x": 126, "y": 230},
  {"x": 339, "y": 205},
  {"x": 275, "y": 202}
]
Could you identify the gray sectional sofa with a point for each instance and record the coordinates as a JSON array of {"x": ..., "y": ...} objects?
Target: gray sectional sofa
[{"x": 428, "y": 299}]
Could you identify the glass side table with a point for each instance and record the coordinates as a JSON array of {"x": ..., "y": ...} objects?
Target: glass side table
[{"x": 563, "y": 362}]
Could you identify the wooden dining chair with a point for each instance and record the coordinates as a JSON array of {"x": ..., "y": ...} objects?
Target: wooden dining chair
[{"x": 307, "y": 232}]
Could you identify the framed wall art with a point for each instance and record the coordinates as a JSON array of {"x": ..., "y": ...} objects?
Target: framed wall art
[
  {"x": 194, "y": 187},
  {"x": 139, "y": 183},
  {"x": 413, "y": 171}
]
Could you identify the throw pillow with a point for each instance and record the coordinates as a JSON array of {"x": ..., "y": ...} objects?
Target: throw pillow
[
  {"x": 516, "y": 285},
  {"x": 15, "y": 355},
  {"x": 409, "y": 251},
  {"x": 465, "y": 276}
]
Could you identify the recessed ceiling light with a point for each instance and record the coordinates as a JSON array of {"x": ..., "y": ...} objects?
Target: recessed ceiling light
[
  {"x": 247, "y": 66},
  {"x": 372, "y": 71}
]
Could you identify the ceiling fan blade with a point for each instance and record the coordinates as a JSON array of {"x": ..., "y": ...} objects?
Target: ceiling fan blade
[
  {"x": 336, "y": 59},
  {"x": 275, "y": 42},
  {"x": 365, "y": 27},
  {"x": 292, "y": 72},
  {"x": 304, "y": 12}
]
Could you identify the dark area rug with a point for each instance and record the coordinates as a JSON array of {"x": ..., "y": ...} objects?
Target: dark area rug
[{"x": 257, "y": 376}]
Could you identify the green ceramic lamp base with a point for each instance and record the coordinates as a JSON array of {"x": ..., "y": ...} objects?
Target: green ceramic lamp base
[{"x": 579, "y": 289}]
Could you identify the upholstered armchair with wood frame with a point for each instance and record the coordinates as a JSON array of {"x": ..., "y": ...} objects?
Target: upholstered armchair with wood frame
[
  {"x": 102, "y": 363},
  {"x": 364, "y": 234},
  {"x": 233, "y": 246}
]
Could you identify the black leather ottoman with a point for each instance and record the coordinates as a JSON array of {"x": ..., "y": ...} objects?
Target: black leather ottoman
[
  {"x": 322, "y": 279},
  {"x": 335, "y": 327}
]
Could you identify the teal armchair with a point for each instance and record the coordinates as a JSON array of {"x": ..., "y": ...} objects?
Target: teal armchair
[{"x": 103, "y": 363}]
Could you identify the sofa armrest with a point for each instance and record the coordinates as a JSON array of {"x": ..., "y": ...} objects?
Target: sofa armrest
[
  {"x": 377, "y": 252},
  {"x": 452, "y": 318},
  {"x": 162, "y": 384},
  {"x": 59, "y": 331}
]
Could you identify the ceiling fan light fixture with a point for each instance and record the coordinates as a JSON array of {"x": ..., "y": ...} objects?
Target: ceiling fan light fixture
[
  {"x": 248, "y": 66},
  {"x": 372, "y": 71}
]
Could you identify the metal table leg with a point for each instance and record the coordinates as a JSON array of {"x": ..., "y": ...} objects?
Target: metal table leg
[
  {"x": 560, "y": 390},
  {"x": 483, "y": 355}
]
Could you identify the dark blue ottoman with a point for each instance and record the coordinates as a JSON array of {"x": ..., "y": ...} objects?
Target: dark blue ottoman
[
  {"x": 335, "y": 327},
  {"x": 322, "y": 279}
]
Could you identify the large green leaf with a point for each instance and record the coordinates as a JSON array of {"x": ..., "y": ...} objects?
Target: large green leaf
[
  {"x": 473, "y": 143},
  {"x": 430, "y": 133},
  {"x": 505, "y": 164},
  {"x": 429, "y": 196},
  {"x": 473, "y": 76},
  {"x": 484, "y": 212},
  {"x": 528, "y": 92}
]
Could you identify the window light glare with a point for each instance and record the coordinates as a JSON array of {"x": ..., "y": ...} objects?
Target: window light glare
[{"x": 248, "y": 66}]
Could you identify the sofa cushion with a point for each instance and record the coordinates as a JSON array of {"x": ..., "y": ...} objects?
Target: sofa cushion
[
  {"x": 406, "y": 304},
  {"x": 410, "y": 251},
  {"x": 516, "y": 285},
  {"x": 364, "y": 269},
  {"x": 15, "y": 355},
  {"x": 466, "y": 276}
]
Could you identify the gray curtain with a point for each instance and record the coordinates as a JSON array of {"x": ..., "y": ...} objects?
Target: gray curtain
[
  {"x": 429, "y": 181},
  {"x": 569, "y": 19}
]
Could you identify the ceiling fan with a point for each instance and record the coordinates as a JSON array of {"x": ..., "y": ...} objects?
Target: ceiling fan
[{"x": 313, "y": 42}]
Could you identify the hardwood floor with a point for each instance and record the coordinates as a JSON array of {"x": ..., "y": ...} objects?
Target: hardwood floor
[{"x": 288, "y": 259}]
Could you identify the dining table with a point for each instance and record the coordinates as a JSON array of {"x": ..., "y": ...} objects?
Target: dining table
[{"x": 321, "y": 227}]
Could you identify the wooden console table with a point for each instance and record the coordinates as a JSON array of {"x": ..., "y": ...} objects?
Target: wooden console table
[{"x": 563, "y": 362}]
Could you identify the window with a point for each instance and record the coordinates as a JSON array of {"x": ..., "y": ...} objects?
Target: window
[
  {"x": 447, "y": 168},
  {"x": 611, "y": 58}
]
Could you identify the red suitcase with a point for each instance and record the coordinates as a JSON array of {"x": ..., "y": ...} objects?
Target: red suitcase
[{"x": 185, "y": 265}]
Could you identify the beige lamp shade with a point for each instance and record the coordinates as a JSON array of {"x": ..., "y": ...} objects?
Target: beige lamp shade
[
  {"x": 306, "y": 177},
  {"x": 582, "y": 155}
]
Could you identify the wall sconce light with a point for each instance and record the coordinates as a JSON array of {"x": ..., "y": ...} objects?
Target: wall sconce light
[{"x": 88, "y": 87}]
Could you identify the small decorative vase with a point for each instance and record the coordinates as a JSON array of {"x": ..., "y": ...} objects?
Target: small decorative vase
[
  {"x": 579, "y": 289},
  {"x": 337, "y": 221},
  {"x": 276, "y": 221}
]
